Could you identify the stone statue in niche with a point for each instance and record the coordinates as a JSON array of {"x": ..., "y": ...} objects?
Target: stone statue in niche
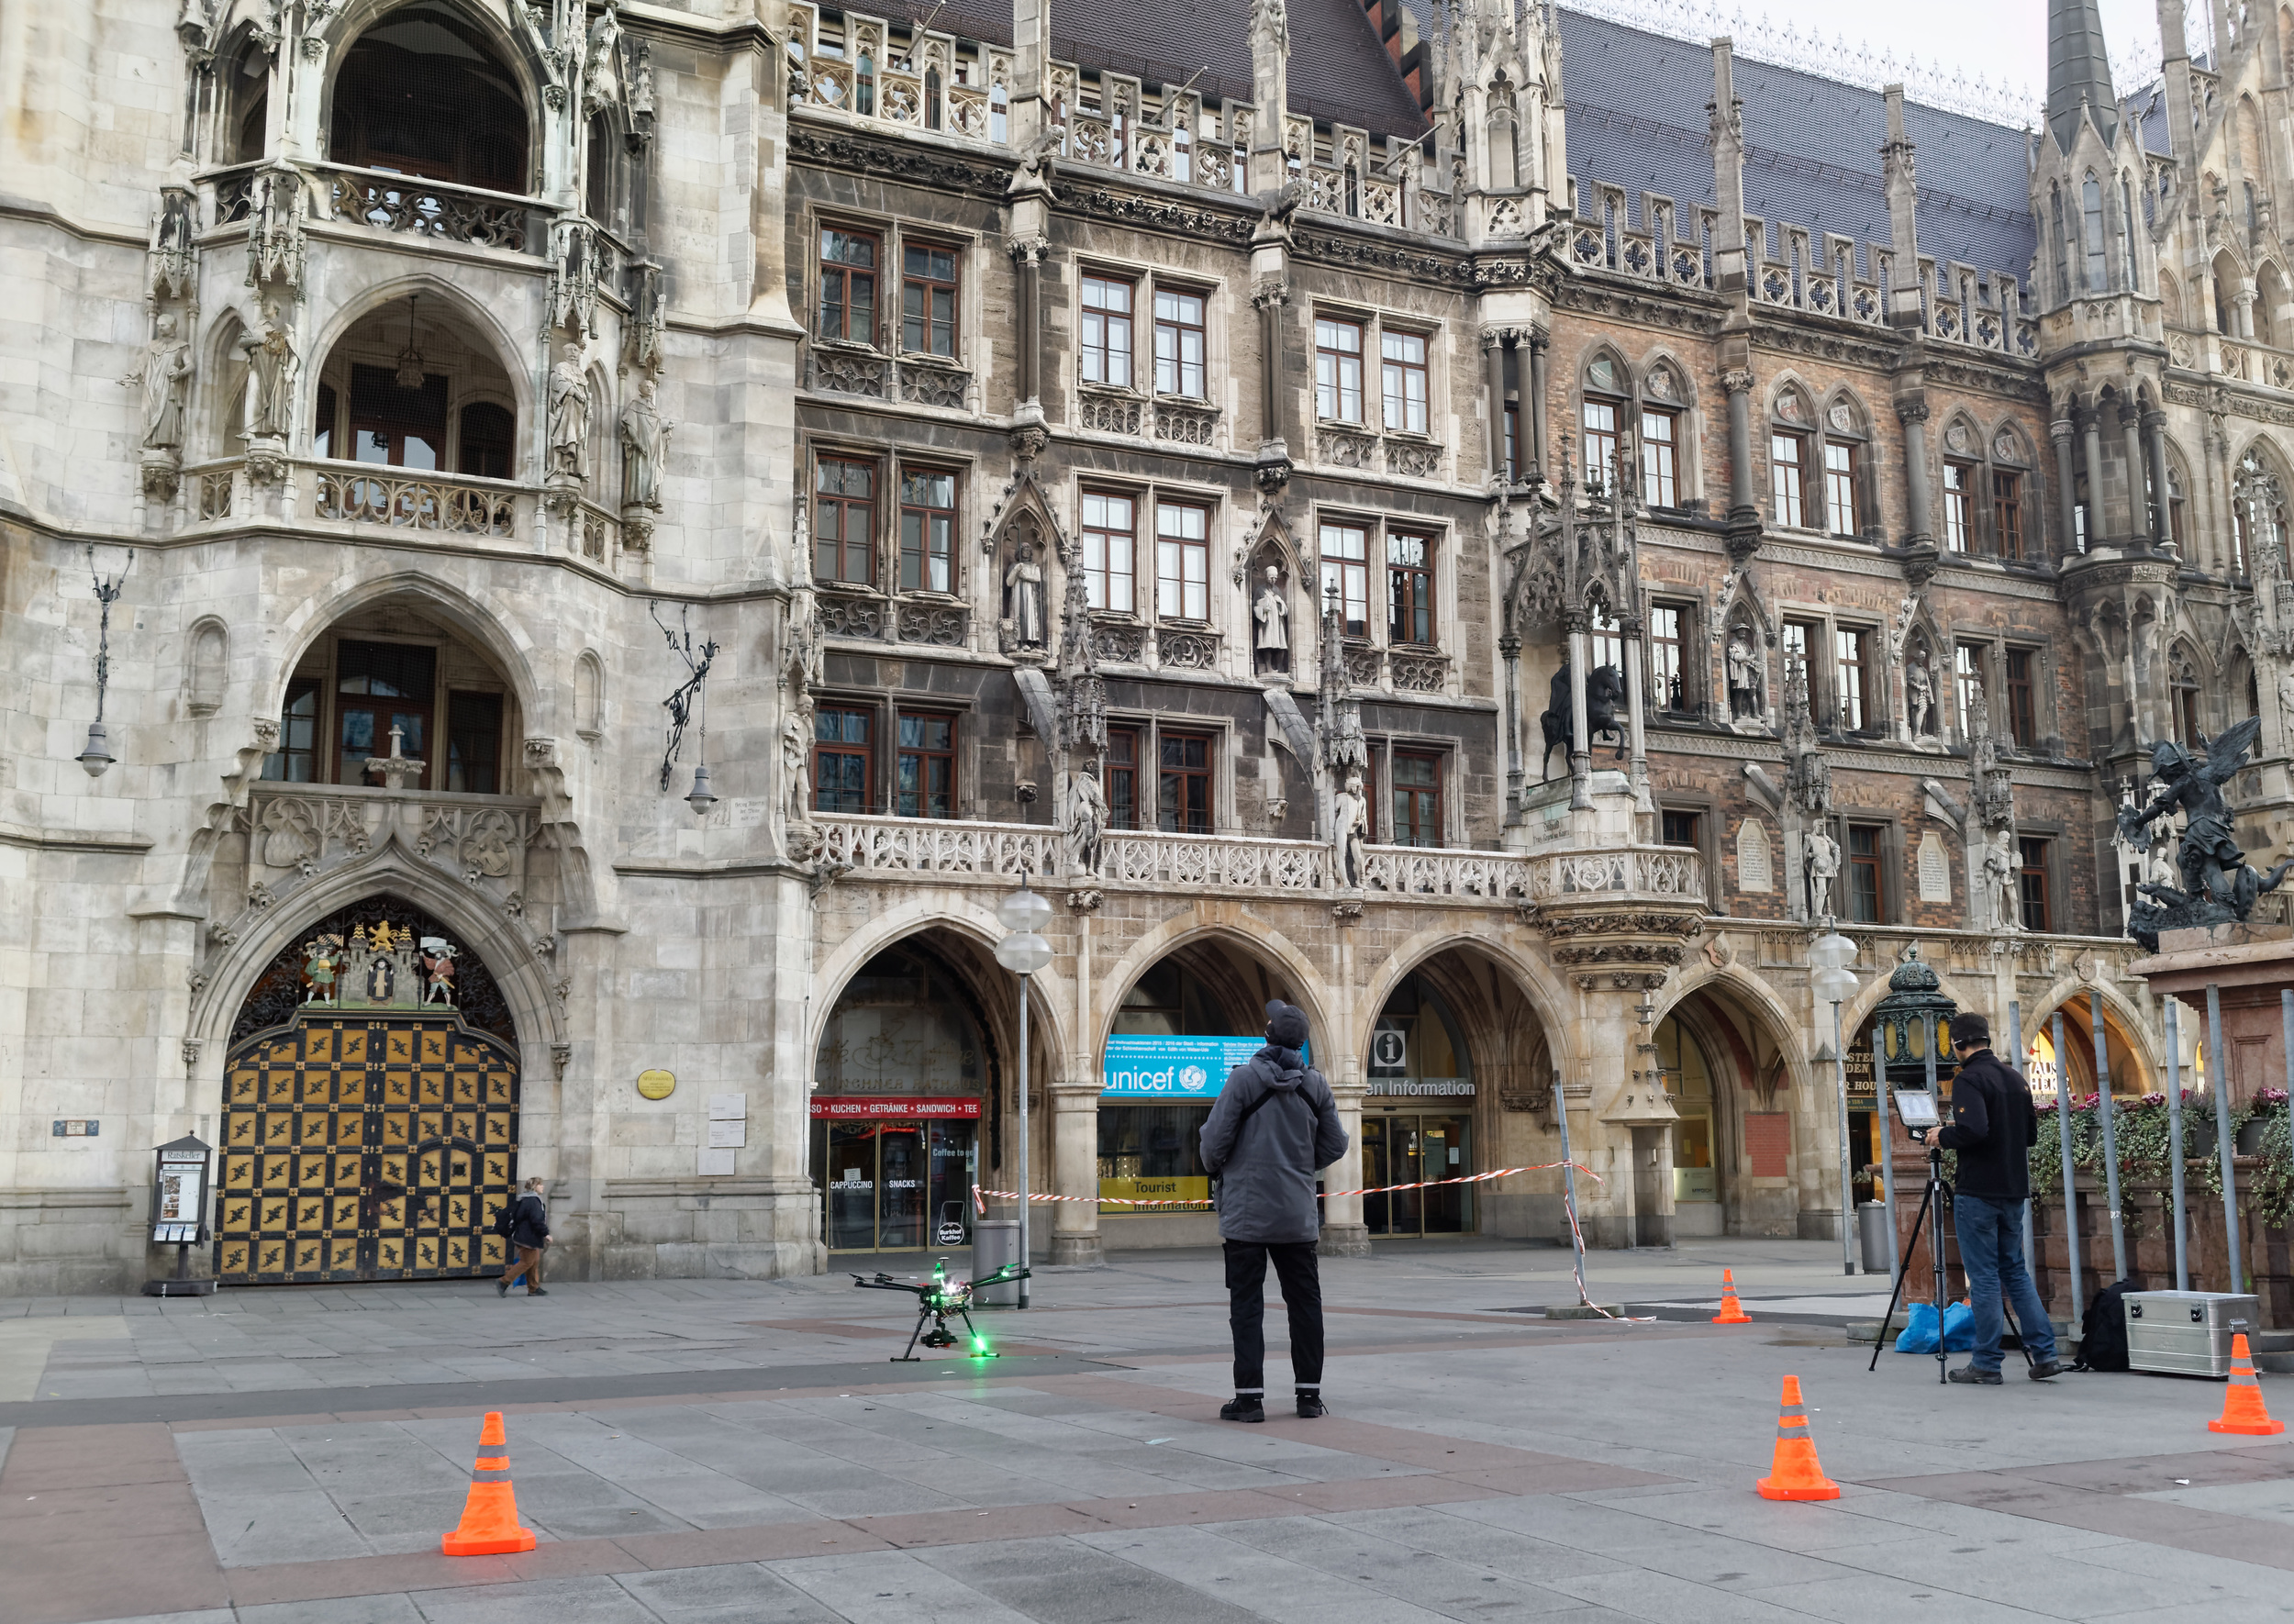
[
  {"x": 794, "y": 749},
  {"x": 2002, "y": 880},
  {"x": 1271, "y": 612},
  {"x": 1824, "y": 868},
  {"x": 1348, "y": 812},
  {"x": 1023, "y": 599},
  {"x": 166, "y": 384},
  {"x": 569, "y": 416},
  {"x": 269, "y": 375},
  {"x": 1919, "y": 693},
  {"x": 644, "y": 448},
  {"x": 1087, "y": 820},
  {"x": 1745, "y": 676}
]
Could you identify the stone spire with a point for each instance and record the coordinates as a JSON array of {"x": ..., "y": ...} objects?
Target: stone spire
[
  {"x": 1902, "y": 181},
  {"x": 2078, "y": 72}
]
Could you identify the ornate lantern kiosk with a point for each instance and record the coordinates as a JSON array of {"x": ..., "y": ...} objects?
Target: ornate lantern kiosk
[{"x": 1911, "y": 1049}]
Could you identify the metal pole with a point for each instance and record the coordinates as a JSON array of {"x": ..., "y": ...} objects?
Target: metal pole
[
  {"x": 1847, "y": 1170},
  {"x": 1024, "y": 1265},
  {"x": 2219, "y": 1086},
  {"x": 1935, "y": 1166},
  {"x": 2109, "y": 1115},
  {"x": 2070, "y": 1191},
  {"x": 2174, "y": 1147},
  {"x": 2015, "y": 1047},
  {"x": 1888, "y": 1151},
  {"x": 1569, "y": 1185}
]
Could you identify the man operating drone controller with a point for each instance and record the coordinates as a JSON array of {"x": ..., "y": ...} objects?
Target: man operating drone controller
[{"x": 1992, "y": 1126}]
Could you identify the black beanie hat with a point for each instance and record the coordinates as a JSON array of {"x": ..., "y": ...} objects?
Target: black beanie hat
[
  {"x": 1286, "y": 1025},
  {"x": 1968, "y": 1026}
]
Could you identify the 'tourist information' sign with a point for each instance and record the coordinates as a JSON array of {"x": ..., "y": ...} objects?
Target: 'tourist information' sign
[{"x": 1173, "y": 1071}]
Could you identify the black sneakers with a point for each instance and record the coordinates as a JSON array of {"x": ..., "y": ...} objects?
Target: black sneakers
[
  {"x": 1967, "y": 1375},
  {"x": 1242, "y": 1406},
  {"x": 2053, "y": 1367},
  {"x": 501, "y": 1288},
  {"x": 1310, "y": 1405}
]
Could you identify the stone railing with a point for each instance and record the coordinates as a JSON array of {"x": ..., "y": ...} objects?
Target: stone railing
[
  {"x": 1240, "y": 862},
  {"x": 429, "y": 208},
  {"x": 857, "y": 369},
  {"x": 450, "y": 505},
  {"x": 1417, "y": 870},
  {"x": 1672, "y": 872},
  {"x": 214, "y": 490},
  {"x": 938, "y": 846},
  {"x": 299, "y": 830}
]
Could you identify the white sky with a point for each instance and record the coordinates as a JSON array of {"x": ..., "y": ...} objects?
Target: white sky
[{"x": 2004, "y": 41}]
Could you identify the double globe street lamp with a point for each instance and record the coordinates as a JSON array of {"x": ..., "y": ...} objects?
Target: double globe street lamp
[
  {"x": 1023, "y": 953},
  {"x": 1829, "y": 956}
]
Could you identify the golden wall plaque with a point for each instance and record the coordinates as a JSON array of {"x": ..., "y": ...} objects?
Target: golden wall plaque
[{"x": 656, "y": 1084}]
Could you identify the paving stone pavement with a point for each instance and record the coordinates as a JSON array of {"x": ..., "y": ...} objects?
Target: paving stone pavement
[{"x": 722, "y": 1451}]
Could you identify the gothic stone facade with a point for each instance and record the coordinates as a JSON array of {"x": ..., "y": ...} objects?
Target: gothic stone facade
[{"x": 950, "y": 397}]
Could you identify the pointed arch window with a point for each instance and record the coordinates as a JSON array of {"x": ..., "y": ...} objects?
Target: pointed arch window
[
  {"x": 1602, "y": 411},
  {"x": 2091, "y": 194},
  {"x": 2183, "y": 679},
  {"x": 2063, "y": 252},
  {"x": 865, "y": 85},
  {"x": 2128, "y": 279}
]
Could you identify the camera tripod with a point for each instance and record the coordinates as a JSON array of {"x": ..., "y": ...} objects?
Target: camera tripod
[{"x": 1932, "y": 1201}]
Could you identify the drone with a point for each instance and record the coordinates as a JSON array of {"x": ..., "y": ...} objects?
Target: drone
[{"x": 936, "y": 1299}]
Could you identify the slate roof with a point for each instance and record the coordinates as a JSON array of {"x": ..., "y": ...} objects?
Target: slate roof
[
  {"x": 1339, "y": 69},
  {"x": 1636, "y": 118}
]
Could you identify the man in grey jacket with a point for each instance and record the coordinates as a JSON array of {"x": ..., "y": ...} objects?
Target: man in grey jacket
[{"x": 1274, "y": 1125}]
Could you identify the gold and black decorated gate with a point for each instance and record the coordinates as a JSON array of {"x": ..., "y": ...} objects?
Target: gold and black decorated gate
[{"x": 361, "y": 1145}]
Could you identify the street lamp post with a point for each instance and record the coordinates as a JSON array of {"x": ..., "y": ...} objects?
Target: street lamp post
[
  {"x": 1831, "y": 954},
  {"x": 1023, "y": 953}
]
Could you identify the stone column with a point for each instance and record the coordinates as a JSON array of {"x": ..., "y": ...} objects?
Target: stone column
[
  {"x": 1913, "y": 415},
  {"x": 1343, "y": 1232},
  {"x": 1535, "y": 466},
  {"x": 2138, "y": 506},
  {"x": 2091, "y": 445},
  {"x": 1494, "y": 374},
  {"x": 2243, "y": 300},
  {"x": 1269, "y": 294},
  {"x": 2067, "y": 480},
  {"x": 1027, "y": 258},
  {"x": 1510, "y": 650},
  {"x": 1076, "y": 1172},
  {"x": 1580, "y": 743},
  {"x": 2154, "y": 439},
  {"x": 1739, "y": 385},
  {"x": 1634, "y": 728}
]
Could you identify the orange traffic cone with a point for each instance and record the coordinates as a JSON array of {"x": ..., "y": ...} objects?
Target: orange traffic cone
[
  {"x": 2242, "y": 1404},
  {"x": 489, "y": 1517},
  {"x": 1731, "y": 1311},
  {"x": 1795, "y": 1473}
]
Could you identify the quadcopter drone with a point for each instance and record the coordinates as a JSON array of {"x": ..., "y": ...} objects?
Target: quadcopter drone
[{"x": 936, "y": 1299}]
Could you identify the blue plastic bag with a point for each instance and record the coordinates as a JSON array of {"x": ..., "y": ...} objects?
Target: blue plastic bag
[{"x": 1919, "y": 1333}]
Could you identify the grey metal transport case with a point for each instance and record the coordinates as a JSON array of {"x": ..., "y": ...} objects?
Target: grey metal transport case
[{"x": 2188, "y": 1333}]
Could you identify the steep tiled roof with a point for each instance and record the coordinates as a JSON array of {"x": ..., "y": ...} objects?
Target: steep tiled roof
[
  {"x": 1636, "y": 119},
  {"x": 1339, "y": 70}
]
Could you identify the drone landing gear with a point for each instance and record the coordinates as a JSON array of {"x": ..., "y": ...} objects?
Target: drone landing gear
[{"x": 940, "y": 1336}]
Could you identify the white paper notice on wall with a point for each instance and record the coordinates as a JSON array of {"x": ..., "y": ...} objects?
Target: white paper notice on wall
[
  {"x": 1935, "y": 870},
  {"x": 717, "y": 1161},
  {"x": 727, "y": 1107},
  {"x": 1752, "y": 871},
  {"x": 734, "y": 1134}
]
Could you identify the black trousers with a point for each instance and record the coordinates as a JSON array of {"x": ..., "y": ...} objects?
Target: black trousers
[{"x": 1246, "y": 1311}]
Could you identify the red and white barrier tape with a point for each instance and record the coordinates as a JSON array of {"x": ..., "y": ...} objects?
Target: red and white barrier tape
[{"x": 981, "y": 1206}]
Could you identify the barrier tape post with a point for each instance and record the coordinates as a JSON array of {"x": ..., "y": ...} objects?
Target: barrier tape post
[
  {"x": 1569, "y": 1195},
  {"x": 979, "y": 1194}
]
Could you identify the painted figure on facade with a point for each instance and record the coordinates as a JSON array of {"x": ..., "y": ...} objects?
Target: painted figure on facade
[
  {"x": 644, "y": 448},
  {"x": 1824, "y": 868},
  {"x": 318, "y": 969},
  {"x": 437, "y": 972},
  {"x": 1744, "y": 674},
  {"x": 166, "y": 382},
  {"x": 1087, "y": 820},
  {"x": 270, "y": 376},
  {"x": 569, "y": 416},
  {"x": 1348, "y": 813},
  {"x": 1023, "y": 599},
  {"x": 1271, "y": 611},
  {"x": 2218, "y": 887}
]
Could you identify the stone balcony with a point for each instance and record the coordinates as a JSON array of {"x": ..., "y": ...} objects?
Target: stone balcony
[
  {"x": 1617, "y": 894},
  {"x": 298, "y": 832}
]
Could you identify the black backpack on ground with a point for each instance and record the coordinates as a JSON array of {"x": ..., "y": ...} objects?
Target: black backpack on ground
[{"x": 2103, "y": 1329}]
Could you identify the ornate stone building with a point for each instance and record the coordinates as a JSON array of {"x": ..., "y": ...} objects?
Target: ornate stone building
[{"x": 583, "y": 551}]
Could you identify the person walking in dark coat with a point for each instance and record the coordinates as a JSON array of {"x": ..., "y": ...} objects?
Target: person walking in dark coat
[
  {"x": 1991, "y": 1129},
  {"x": 529, "y": 1232},
  {"x": 1274, "y": 1125}
]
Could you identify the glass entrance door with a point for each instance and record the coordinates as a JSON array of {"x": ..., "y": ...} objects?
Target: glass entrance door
[
  {"x": 893, "y": 1186},
  {"x": 1409, "y": 1150}
]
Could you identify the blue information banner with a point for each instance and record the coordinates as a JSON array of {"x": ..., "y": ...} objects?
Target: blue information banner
[{"x": 1173, "y": 1070}]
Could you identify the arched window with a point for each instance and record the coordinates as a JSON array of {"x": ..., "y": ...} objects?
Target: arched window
[
  {"x": 2063, "y": 252},
  {"x": 2175, "y": 511},
  {"x": 931, "y": 99},
  {"x": 2183, "y": 679},
  {"x": 1183, "y": 144},
  {"x": 2098, "y": 274},
  {"x": 1792, "y": 487},
  {"x": 2126, "y": 235},
  {"x": 1844, "y": 472},
  {"x": 247, "y": 106},
  {"x": 1661, "y": 437},
  {"x": 422, "y": 93},
  {"x": 998, "y": 108},
  {"x": 865, "y": 85},
  {"x": 1603, "y": 411},
  {"x": 598, "y": 190}
]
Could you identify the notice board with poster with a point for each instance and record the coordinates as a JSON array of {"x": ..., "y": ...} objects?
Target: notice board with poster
[{"x": 1155, "y": 1093}]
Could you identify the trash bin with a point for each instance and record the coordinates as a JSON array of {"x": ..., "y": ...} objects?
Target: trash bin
[
  {"x": 1871, "y": 1235},
  {"x": 995, "y": 1242}
]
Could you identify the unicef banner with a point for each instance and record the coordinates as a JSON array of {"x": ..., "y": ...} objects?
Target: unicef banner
[{"x": 1171, "y": 1070}]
